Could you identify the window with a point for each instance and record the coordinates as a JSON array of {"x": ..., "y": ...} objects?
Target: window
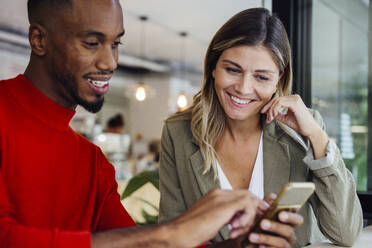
[
  {"x": 330, "y": 44},
  {"x": 339, "y": 77}
]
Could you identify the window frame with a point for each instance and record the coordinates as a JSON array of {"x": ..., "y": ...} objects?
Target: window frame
[{"x": 297, "y": 20}]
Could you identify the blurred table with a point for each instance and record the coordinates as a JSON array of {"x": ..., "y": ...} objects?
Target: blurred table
[{"x": 364, "y": 240}]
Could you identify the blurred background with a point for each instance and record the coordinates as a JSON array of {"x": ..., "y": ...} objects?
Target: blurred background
[{"x": 161, "y": 66}]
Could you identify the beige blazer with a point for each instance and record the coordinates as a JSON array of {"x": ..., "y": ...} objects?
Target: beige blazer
[{"x": 333, "y": 211}]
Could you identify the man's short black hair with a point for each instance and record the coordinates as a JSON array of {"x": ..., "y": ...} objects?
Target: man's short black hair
[{"x": 37, "y": 9}]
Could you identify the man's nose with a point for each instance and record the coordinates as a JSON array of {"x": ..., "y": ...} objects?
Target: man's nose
[{"x": 108, "y": 59}]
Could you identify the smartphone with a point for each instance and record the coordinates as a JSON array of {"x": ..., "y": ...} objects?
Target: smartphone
[{"x": 291, "y": 198}]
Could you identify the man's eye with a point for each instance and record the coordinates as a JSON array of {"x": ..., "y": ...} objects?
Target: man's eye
[
  {"x": 232, "y": 70},
  {"x": 91, "y": 44},
  {"x": 116, "y": 44}
]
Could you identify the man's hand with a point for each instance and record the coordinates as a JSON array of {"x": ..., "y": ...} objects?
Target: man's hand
[
  {"x": 206, "y": 217},
  {"x": 203, "y": 220},
  {"x": 198, "y": 224}
]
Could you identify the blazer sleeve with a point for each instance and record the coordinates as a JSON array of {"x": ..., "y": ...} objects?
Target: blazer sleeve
[
  {"x": 172, "y": 202},
  {"x": 335, "y": 202}
]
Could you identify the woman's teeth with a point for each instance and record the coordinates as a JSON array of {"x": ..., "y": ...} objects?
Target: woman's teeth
[
  {"x": 98, "y": 83},
  {"x": 240, "y": 101}
]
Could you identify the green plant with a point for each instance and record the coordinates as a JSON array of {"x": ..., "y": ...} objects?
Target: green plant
[{"x": 137, "y": 182}]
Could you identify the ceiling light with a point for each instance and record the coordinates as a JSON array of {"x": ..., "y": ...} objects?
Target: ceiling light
[
  {"x": 140, "y": 92},
  {"x": 182, "y": 101}
]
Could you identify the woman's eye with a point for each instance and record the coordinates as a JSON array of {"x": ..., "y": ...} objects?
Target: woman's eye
[
  {"x": 262, "y": 78},
  {"x": 232, "y": 70}
]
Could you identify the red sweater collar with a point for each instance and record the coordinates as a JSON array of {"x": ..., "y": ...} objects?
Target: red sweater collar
[{"x": 35, "y": 102}]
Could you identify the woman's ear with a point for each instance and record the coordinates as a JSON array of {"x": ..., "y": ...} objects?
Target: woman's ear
[
  {"x": 38, "y": 39},
  {"x": 213, "y": 73}
]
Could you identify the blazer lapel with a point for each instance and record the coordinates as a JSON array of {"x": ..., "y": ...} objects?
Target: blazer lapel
[
  {"x": 276, "y": 159},
  {"x": 205, "y": 181}
]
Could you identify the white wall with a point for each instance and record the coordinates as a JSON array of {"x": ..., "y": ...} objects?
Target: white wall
[
  {"x": 12, "y": 64},
  {"x": 147, "y": 117}
]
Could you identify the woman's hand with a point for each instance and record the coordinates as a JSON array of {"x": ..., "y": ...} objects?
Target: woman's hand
[
  {"x": 292, "y": 111},
  {"x": 278, "y": 234},
  {"x": 297, "y": 115}
]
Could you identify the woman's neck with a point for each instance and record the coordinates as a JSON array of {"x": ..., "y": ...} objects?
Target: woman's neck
[{"x": 241, "y": 131}]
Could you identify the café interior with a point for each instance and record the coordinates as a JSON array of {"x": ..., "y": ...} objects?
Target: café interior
[{"x": 160, "y": 69}]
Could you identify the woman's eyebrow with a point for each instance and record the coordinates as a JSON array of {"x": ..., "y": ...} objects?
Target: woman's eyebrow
[
  {"x": 259, "y": 70},
  {"x": 231, "y": 62},
  {"x": 265, "y": 71}
]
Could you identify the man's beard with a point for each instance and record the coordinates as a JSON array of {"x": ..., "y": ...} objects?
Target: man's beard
[
  {"x": 92, "y": 107},
  {"x": 67, "y": 81}
]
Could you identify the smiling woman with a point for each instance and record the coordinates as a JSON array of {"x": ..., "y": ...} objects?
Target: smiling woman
[
  {"x": 244, "y": 86},
  {"x": 244, "y": 131}
]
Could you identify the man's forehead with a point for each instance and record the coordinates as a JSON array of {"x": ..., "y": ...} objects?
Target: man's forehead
[
  {"x": 103, "y": 16},
  {"x": 96, "y": 9}
]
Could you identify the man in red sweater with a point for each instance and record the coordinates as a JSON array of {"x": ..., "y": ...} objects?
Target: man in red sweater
[{"x": 56, "y": 188}]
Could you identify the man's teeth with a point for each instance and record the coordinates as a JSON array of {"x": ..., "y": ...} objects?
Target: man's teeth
[
  {"x": 98, "y": 83},
  {"x": 240, "y": 101}
]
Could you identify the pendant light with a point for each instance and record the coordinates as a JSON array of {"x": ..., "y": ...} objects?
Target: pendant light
[
  {"x": 140, "y": 92},
  {"x": 140, "y": 86},
  {"x": 182, "y": 99}
]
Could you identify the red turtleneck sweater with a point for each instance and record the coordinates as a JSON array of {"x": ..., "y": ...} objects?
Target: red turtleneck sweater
[{"x": 55, "y": 186}]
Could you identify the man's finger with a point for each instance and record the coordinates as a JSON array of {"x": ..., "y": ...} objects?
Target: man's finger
[{"x": 270, "y": 198}]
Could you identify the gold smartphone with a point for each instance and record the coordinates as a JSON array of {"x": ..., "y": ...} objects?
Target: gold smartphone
[{"x": 291, "y": 198}]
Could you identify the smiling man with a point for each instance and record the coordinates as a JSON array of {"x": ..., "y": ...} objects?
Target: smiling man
[
  {"x": 74, "y": 50},
  {"x": 56, "y": 188}
]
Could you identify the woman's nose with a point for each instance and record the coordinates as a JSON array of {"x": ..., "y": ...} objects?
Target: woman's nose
[{"x": 246, "y": 85}]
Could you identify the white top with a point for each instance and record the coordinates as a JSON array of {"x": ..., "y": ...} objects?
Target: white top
[{"x": 256, "y": 186}]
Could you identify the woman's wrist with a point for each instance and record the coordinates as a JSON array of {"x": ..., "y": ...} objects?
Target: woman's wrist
[{"x": 319, "y": 141}]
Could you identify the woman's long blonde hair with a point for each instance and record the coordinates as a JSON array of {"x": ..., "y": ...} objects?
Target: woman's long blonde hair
[{"x": 250, "y": 27}]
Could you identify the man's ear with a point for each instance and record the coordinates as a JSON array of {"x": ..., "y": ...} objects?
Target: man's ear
[{"x": 37, "y": 37}]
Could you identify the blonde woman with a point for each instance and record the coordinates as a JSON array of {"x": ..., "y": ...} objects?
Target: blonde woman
[{"x": 244, "y": 131}]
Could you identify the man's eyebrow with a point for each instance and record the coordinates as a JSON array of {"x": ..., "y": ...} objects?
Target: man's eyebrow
[
  {"x": 99, "y": 34},
  {"x": 121, "y": 34},
  {"x": 93, "y": 33}
]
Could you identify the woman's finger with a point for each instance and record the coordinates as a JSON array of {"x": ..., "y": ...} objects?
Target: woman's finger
[
  {"x": 268, "y": 240},
  {"x": 267, "y": 106},
  {"x": 291, "y": 218},
  {"x": 284, "y": 230}
]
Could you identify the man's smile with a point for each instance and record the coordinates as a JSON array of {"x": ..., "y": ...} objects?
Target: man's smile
[{"x": 100, "y": 85}]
